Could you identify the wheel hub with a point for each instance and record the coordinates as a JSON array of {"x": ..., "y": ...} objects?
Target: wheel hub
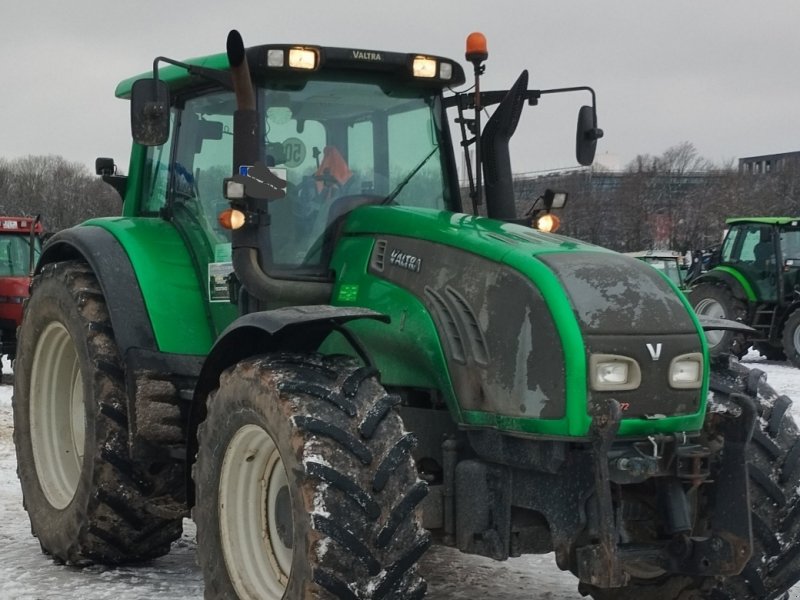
[
  {"x": 283, "y": 516},
  {"x": 58, "y": 416},
  {"x": 255, "y": 515},
  {"x": 712, "y": 308}
]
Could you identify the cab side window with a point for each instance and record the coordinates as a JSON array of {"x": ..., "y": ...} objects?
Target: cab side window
[{"x": 156, "y": 174}]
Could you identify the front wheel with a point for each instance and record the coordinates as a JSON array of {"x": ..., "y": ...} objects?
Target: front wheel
[{"x": 305, "y": 485}]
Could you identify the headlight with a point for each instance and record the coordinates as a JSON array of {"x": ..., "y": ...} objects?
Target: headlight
[
  {"x": 613, "y": 372},
  {"x": 302, "y": 58},
  {"x": 686, "y": 371},
  {"x": 424, "y": 67},
  {"x": 548, "y": 223}
]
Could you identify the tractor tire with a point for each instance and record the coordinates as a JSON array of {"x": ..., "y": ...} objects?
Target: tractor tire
[
  {"x": 306, "y": 487},
  {"x": 791, "y": 338},
  {"x": 774, "y": 472},
  {"x": 770, "y": 352},
  {"x": 85, "y": 499},
  {"x": 716, "y": 300}
]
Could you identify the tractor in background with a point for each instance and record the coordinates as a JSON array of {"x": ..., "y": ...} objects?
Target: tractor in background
[
  {"x": 755, "y": 279},
  {"x": 20, "y": 248},
  {"x": 668, "y": 262}
]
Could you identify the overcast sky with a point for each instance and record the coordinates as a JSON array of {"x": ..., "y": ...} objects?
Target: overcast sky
[{"x": 722, "y": 74}]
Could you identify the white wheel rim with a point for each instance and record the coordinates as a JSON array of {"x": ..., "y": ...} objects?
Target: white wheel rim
[
  {"x": 712, "y": 308},
  {"x": 58, "y": 417},
  {"x": 255, "y": 516}
]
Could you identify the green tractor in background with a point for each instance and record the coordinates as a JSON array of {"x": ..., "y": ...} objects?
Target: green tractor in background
[
  {"x": 755, "y": 279},
  {"x": 295, "y": 332}
]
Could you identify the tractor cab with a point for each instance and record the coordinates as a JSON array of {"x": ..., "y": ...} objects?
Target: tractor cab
[
  {"x": 766, "y": 253},
  {"x": 339, "y": 128}
]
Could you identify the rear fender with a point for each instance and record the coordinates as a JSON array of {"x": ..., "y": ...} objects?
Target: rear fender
[
  {"x": 118, "y": 282},
  {"x": 727, "y": 278}
]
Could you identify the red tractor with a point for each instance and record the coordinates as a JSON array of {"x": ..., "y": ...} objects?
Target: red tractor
[{"x": 20, "y": 246}]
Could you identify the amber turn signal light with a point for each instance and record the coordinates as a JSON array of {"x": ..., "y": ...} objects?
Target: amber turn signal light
[{"x": 231, "y": 218}]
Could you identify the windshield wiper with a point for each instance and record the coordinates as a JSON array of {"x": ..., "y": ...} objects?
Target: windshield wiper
[{"x": 408, "y": 177}]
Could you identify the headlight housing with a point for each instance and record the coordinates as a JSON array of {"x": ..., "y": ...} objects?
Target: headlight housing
[
  {"x": 613, "y": 372},
  {"x": 686, "y": 371}
]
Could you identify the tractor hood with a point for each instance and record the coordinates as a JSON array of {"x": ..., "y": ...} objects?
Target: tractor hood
[{"x": 524, "y": 318}]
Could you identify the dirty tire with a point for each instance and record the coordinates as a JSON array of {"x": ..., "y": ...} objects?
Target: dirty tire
[
  {"x": 307, "y": 452},
  {"x": 774, "y": 469},
  {"x": 716, "y": 300},
  {"x": 791, "y": 338},
  {"x": 85, "y": 499}
]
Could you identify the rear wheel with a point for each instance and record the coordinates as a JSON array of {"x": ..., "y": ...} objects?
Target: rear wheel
[
  {"x": 716, "y": 301},
  {"x": 85, "y": 499},
  {"x": 774, "y": 471},
  {"x": 306, "y": 486},
  {"x": 791, "y": 338}
]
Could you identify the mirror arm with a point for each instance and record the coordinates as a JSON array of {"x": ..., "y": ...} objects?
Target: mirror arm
[
  {"x": 595, "y": 133},
  {"x": 222, "y": 78},
  {"x": 467, "y": 101}
]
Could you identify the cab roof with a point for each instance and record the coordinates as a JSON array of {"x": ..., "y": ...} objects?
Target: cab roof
[
  {"x": 764, "y": 220},
  {"x": 329, "y": 58}
]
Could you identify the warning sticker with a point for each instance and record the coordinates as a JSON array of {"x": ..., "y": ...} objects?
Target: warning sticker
[{"x": 218, "y": 290}]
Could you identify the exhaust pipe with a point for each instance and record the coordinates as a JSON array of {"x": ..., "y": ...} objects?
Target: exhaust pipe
[
  {"x": 250, "y": 240},
  {"x": 498, "y": 180}
]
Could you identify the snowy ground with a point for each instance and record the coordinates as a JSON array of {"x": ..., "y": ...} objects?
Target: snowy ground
[{"x": 26, "y": 574}]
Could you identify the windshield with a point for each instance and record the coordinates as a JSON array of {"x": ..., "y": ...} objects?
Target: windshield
[
  {"x": 340, "y": 142},
  {"x": 15, "y": 254}
]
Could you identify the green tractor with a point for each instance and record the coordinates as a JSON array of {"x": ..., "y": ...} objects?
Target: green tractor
[
  {"x": 668, "y": 262},
  {"x": 755, "y": 279},
  {"x": 295, "y": 332}
]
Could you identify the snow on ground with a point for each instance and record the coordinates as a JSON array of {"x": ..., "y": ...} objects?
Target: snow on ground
[{"x": 27, "y": 574}]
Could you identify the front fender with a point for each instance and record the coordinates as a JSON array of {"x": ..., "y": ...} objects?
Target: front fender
[{"x": 291, "y": 329}]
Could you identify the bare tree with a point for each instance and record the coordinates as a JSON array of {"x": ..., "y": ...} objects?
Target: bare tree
[
  {"x": 678, "y": 200},
  {"x": 64, "y": 193}
]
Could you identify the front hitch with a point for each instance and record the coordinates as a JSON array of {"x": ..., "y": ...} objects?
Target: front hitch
[
  {"x": 600, "y": 564},
  {"x": 721, "y": 550}
]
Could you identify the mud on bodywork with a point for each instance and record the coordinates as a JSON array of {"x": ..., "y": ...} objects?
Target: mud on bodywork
[
  {"x": 503, "y": 352},
  {"x": 623, "y": 307}
]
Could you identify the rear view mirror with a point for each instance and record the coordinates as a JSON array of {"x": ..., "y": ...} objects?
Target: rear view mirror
[
  {"x": 150, "y": 112},
  {"x": 586, "y": 136}
]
